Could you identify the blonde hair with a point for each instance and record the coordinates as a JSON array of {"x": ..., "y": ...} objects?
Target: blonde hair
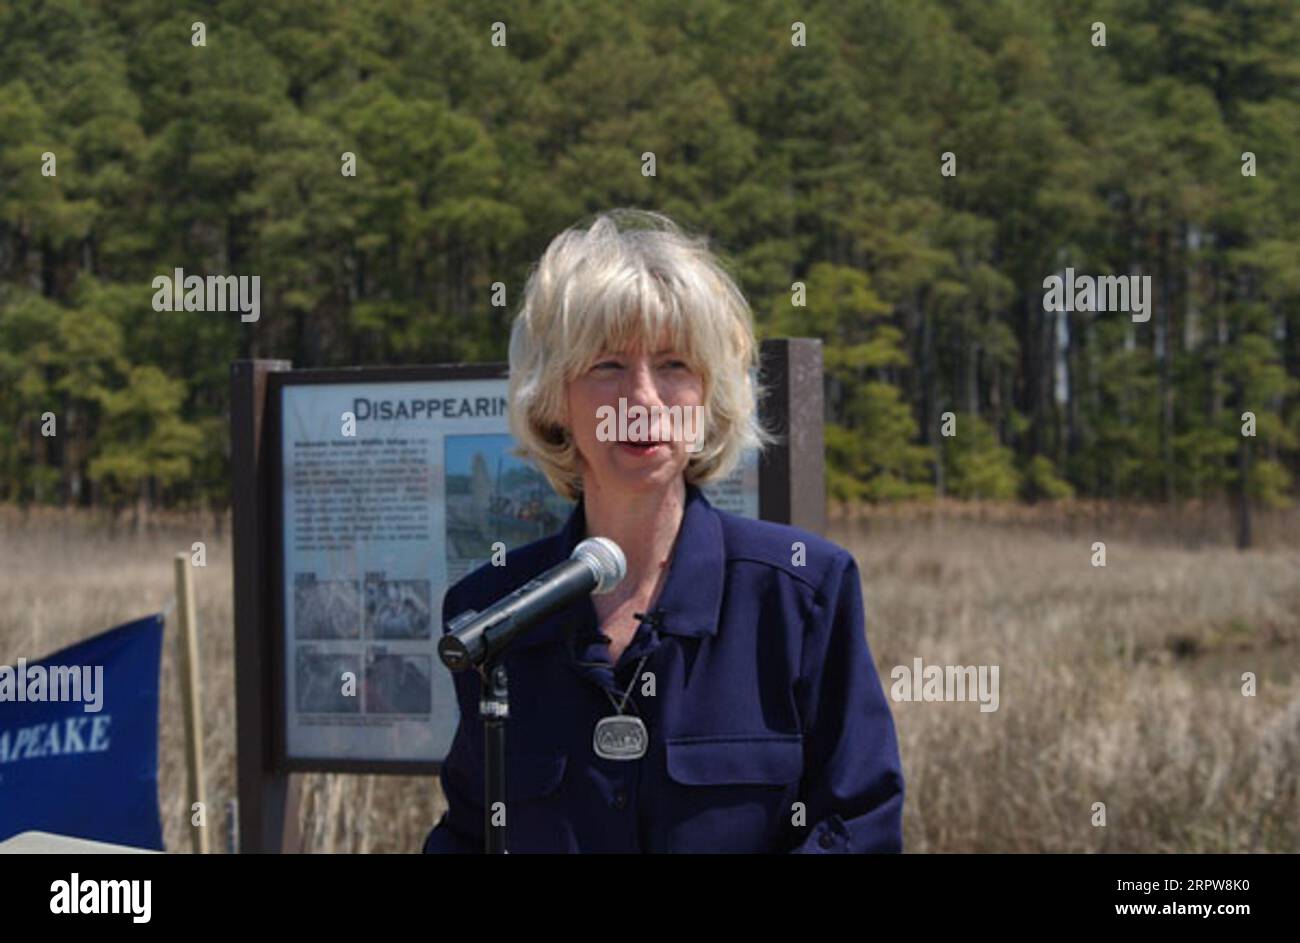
[{"x": 628, "y": 278}]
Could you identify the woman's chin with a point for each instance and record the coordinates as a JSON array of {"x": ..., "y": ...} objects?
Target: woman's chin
[{"x": 641, "y": 474}]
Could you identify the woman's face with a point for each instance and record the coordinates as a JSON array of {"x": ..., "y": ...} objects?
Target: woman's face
[{"x": 646, "y": 379}]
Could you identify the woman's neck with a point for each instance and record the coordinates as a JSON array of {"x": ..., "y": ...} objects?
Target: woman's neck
[{"x": 644, "y": 524}]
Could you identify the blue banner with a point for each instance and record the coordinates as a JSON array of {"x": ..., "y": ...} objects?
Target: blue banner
[{"x": 79, "y": 739}]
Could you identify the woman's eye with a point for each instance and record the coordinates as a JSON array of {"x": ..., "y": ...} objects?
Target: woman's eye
[{"x": 676, "y": 364}]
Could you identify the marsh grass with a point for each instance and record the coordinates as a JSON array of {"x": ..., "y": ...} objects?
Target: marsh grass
[{"x": 1119, "y": 685}]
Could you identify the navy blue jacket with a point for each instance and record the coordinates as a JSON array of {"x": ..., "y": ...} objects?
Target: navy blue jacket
[{"x": 765, "y": 697}]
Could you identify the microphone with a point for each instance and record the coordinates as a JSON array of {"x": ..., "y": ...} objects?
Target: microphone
[{"x": 596, "y": 566}]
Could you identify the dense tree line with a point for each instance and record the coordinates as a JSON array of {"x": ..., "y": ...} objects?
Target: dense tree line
[{"x": 819, "y": 164}]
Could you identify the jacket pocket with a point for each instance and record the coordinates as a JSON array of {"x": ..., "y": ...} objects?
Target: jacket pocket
[
  {"x": 775, "y": 760},
  {"x": 731, "y": 794}
]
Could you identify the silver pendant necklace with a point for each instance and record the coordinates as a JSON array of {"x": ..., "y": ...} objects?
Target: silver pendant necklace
[{"x": 621, "y": 736}]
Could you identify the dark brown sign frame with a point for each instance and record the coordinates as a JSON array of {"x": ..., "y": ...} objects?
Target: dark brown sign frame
[{"x": 791, "y": 490}]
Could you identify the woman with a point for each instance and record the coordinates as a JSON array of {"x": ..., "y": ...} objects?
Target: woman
[{"x": 739, "y": 644}]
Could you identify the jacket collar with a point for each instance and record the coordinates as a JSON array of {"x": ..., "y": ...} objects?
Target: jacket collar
[{"x": 691, "y": 601}]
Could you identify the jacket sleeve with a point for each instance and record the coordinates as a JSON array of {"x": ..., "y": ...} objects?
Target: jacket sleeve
[
  {"x": 853, "y": 779},
  {"x": 460, "y": 830}
]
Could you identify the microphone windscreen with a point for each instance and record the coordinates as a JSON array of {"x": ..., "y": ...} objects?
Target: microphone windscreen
[{"x": 605, "y": 559}]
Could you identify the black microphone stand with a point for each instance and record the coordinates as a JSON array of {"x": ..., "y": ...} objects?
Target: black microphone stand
[
  {"x": 494, "y": 708},
  {"x": 472, "y": 635}
]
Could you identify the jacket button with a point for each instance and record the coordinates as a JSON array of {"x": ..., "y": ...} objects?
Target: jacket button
[
  {"x": 826, "y": 840},
  {"x": 620, "y": 799}
]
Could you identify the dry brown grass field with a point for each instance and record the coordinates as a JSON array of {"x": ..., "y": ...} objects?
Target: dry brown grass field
[{"x": 1119, "y": 685}]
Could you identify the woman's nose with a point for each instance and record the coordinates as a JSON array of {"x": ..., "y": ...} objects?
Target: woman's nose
[{"x": 641, "y": 387}]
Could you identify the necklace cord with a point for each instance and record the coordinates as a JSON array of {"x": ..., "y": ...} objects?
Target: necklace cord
[{"x": 628, "y": 693}]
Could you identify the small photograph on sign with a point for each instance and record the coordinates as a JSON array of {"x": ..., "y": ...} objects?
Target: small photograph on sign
[
  {"x": 398, "y": 684},
  {"x": 396, "y": 609},
  {"x": 325, "y": 609},
  {"x": 323, "y": 687},
  {"x": 493, "y": 496}
]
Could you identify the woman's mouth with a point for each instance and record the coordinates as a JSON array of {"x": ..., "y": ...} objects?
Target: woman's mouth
[{"x": 641, "y": 448}]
